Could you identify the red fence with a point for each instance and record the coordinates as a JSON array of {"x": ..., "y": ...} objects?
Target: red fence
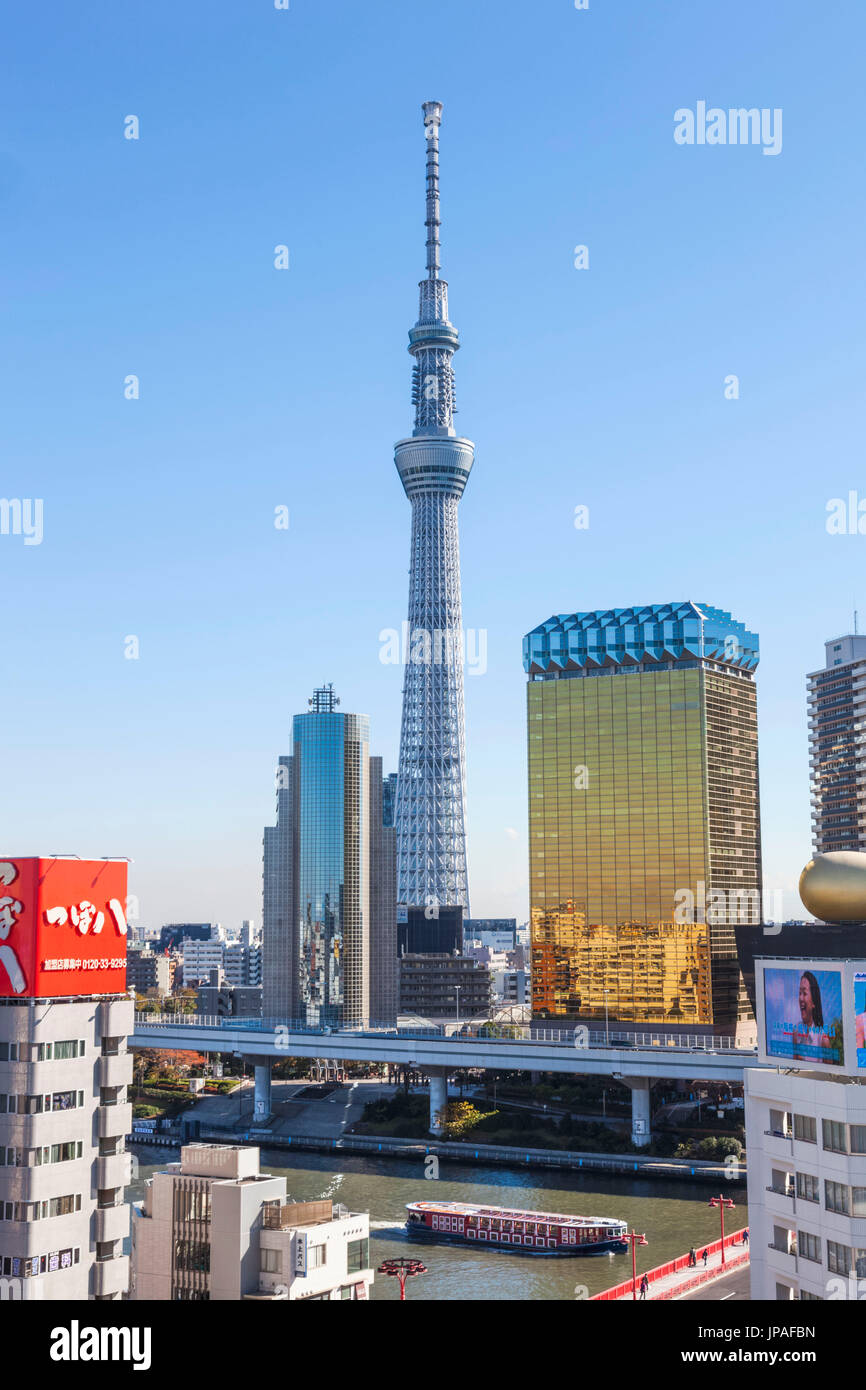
[{"x": 682, "y": 1262}]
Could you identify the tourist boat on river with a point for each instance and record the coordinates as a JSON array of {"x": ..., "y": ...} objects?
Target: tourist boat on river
[{"x": 508, "y": 1228}]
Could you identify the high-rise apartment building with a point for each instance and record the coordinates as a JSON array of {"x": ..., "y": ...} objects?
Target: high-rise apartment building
[
  {"x": 434, "y": 466},
  {"x": 64, "y": 1070},
  {"x": 329, "y": 865},
  {"x": 279, "y": 912},
  {"x": 383, "y": 897},
  {"x": 837, "y": 746},
  {"x": 644, "y": 820},
  {"x": 250, "y": 934},
  {"x": 242, "y": 964},
  {"x": 213, "y": 1228}
]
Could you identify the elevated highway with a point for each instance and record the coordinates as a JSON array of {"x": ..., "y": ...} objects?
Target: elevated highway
[{"x": 635, "y": 1059}]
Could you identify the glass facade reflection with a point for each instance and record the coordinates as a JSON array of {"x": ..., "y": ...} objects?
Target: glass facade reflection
[
  {"x": 643, "y": 814},
  {"x": 331, "y": 753}
]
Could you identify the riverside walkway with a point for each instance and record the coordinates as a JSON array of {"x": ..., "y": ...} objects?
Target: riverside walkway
[
  {"x": 466, "y": 1151},
  {"x": 676, "y": 1278}
]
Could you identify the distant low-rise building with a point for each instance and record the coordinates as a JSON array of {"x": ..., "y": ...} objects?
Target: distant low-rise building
[
  {"x": 174, "y": 934},
  {"x": 219, "y": 999},
  {"x": 508, "y": 973},
  {"x": 146, "y": 971},
  {"x": 499, "y": 933},
  {"x": 444, "y": 986}
]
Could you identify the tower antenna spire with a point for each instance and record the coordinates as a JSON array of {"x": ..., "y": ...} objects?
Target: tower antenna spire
[{"x": 432, "y": 121}]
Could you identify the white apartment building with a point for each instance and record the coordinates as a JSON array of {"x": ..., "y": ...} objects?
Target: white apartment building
[
  {"x": 806, "y": 1145},
  {"x": 200, "y": 958},
  {"x": 213, "y": 1227},
  {"x": 242, "y": 965},
  {"x": 64, "y": 1117}
]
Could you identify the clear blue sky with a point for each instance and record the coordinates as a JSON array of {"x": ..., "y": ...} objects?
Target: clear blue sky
[{"x": 260, "y": 387}]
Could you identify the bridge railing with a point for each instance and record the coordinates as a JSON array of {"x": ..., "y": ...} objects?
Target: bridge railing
[{"x": 579, "y": 1036}]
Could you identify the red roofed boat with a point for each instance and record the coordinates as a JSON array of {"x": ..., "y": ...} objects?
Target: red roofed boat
[{"x": 509, "y": 1228}]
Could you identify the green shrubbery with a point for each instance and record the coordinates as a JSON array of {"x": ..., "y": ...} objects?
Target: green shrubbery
[{"x": 717, "y": 1148}]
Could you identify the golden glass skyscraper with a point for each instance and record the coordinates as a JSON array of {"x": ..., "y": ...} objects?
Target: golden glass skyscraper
[{"x": 644, "y": 820}]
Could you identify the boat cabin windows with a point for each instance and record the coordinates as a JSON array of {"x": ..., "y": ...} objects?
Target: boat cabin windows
[{"x": 447, "y": 1223}]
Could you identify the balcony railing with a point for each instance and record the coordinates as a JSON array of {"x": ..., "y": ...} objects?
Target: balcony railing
[{"x": 487, "y": 1032}]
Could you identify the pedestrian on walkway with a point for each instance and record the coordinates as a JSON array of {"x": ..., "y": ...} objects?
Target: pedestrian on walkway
[
  {"x": 705, "y": 1257},
  {"x": 693, "y": 1259},
  {"x": 644, "y": 1285},
  {"x": 746, "y": 1236}
]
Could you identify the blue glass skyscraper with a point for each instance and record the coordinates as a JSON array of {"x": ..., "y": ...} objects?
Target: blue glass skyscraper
[
  {"x": 332, "y": 753},
  {"x": 329, "y": 910}
]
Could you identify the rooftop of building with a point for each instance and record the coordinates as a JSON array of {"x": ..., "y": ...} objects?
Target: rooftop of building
[
  {"x": 658, "y": 633},
  {"x": 222, "y": 1162},
  {"x": 287, "y": 1216}
]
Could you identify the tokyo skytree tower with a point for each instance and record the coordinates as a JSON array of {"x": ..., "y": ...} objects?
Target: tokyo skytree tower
[{"x": 433, "y": 465}]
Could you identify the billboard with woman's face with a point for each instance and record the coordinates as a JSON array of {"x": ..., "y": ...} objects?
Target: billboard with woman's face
[
  {"x": 860, "y": 1018},
  {"x": 803, "y": 1015}
]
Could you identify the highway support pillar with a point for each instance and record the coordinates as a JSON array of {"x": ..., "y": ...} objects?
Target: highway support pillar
[
  {"x": 641, "y": 1132},
  {"x": 438, "y": 1099},
  {"x": 262, "y": 1096}
]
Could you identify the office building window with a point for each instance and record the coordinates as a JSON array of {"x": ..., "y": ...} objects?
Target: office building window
[
  {"x": 836, "y": 1197},
  {"x": 838, "y": 1258},
  {"x": 805, "y": 1128},
  {"x": 857, "y": 1135},
  {"x": 835, "y": 1136},
  {"x": 357, "y": 1256}
]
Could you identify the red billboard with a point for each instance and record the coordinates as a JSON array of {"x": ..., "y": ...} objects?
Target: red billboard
[{"x": 62, "y": 927}]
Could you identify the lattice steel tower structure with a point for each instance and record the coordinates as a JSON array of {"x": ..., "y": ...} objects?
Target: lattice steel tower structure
[{"x": 433, "y": 465}]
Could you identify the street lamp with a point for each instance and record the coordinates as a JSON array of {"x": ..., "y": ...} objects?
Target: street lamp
[
  {"x": 635, "y": 1241},
  {"x": 402, "y": 1270},
  {"x": 606, "y": 1020},
  {"x": 457, "y": 989},
  {"x": 721, "y": 1203}
]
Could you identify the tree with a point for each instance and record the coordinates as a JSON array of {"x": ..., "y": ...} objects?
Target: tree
[
  {"x": 458, "y": 1117},
  {"x": 144, "y": 1061}
]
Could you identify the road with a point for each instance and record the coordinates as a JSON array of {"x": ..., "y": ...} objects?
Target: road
[
  {"x": 295, "y": 1113},
  {"x": 733, "y": 1288}
]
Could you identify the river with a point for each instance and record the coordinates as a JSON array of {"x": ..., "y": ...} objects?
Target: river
[{"x": 672, "y": 1215}]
